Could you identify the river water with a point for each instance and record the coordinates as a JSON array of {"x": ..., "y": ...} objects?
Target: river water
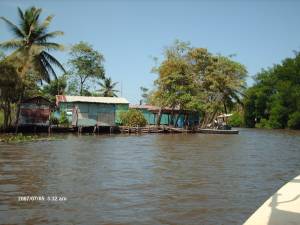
[{"x": 145, "y": 179}]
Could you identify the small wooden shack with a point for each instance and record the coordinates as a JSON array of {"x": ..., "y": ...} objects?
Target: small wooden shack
[
  {"x": 87, "y": 111},
  {"x": 150, "y": 112},
  {"x": 35, "y": 112}
]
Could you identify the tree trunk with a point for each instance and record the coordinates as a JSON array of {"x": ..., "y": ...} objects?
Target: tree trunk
[
  {"x": 81, "y": 85},
  {"x": 208, "y": 118},
  {"x": 188, "y": 120},
  {"x": 177, "y": 118},
  {"x": 19, "y": 109},
  {"x": 172, "y": 118},
  {"x": 6, "y": 115},
  {"x": 159, "y": 117},
  {"x": 225, "y": 108}
]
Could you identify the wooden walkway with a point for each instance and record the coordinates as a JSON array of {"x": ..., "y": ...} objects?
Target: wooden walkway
[{"x": 153, "y": 129}]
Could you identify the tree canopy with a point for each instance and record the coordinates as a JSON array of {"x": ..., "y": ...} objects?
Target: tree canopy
[
  {"x": 274, "y": 100},
  {"x": 108, "y": 88},
  {"x": 86, "y": 64},
  {"x": 194, "y": 79},
  {"x": 32, "y": 44}
]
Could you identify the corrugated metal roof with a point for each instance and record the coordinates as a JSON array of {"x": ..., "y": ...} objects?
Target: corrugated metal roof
[
  {"x": 91, "y": 99},
  {"x": 151, "y": 107}
]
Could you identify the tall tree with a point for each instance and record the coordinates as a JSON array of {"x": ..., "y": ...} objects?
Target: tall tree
[
  {"x": 108, "y": 88},
  {"x": 145, "y": 95},
  {"x": 194, "y": 79},
  {"x": 32, "y": 48},
  {"x": 9, "y": 87},
  {"x": 86, "y": 64},
  {"x": 274, "y": 100},
  {"x": 31, "y": 44},
  {"x": 176, "y": 86}
]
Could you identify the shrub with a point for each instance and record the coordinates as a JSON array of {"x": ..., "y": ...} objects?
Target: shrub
[
  {"x": 278, "y": 116},
  {"x": 133, "y": 118},
  {"x": 294, "y": 121},
  {"x": 63, "y": 120},
  {"x": 236, "y": 120},
  {"x": 264, "y": 123}
]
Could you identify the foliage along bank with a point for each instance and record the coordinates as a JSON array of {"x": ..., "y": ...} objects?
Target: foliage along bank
[{"x": 274, "y": 100}]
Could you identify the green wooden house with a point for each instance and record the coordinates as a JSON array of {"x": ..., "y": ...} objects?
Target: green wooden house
[{"x": 86, "y": 111}]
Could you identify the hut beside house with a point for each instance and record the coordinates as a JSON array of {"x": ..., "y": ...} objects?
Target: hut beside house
[
  {"x": 87, "y": 111},
  {"x": 35, "y": 112},
  {"x": 151, "y": 112}
]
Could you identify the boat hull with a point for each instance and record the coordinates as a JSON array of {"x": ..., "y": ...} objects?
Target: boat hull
[{"x": 216, "y": 131}]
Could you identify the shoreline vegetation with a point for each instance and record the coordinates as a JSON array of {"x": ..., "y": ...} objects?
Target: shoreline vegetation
[
  {"x": 189, "y": 79},
  {"x": 20, "y": 138}
]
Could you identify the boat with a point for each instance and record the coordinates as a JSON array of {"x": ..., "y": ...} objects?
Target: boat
[
  {"x": 217, "y": 131},
  {"x": 220, "y": 126},
  {"x": 281, "y": 208}
]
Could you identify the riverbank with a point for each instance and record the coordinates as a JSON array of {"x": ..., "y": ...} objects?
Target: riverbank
[{"x": 18, "y": 138}]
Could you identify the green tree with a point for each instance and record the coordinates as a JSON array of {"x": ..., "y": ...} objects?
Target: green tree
[
  {"x": 176, "y": 84},
  {"x": 86, "y": 64},
  {"x": 194, "y": 79},
  {"x": 55, "y": 87},
  {"x": 133, "y": 118},
  {"x": 108, "y": 88},
  {"x": 274, "y": 100},
  {"x": 9, "y": 88},
  {"x": 32, "y": 46},
  {"x": 145, "y": 95}
]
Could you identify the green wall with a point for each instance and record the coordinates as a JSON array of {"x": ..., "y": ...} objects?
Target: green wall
[{"x": 92, "y": 110}]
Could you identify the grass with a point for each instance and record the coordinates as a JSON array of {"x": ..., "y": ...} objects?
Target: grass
[{"x": 18, "y": 138}]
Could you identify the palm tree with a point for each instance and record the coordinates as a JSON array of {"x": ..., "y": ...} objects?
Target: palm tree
[
  {"x": 31, "y": 47},
  {"x": 107, "y": 88},
  {"x": 31, "y": 43}
]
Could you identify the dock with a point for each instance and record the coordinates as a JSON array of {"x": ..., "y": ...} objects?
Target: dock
[
  {"x": 216, "y": 131},
  {"x": 153, "y": 129}
]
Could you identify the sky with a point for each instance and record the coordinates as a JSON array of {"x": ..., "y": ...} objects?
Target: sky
[{"x": 129, "y": 33}]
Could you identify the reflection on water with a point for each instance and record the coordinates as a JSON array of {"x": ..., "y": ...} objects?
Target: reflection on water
[{"x": 148, "y": 179}]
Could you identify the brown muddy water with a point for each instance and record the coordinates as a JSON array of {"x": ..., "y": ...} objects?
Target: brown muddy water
[{"x": 148, "y": 179}]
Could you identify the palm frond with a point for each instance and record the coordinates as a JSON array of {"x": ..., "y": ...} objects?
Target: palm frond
[
  {"x": 48, "y": 68},
  {"x": 40, "y": 67},
  {"x": 53, "y": 61},
  {"x": 50, "y": 46},
  {"x": 21, "y": 14},
  {"x": 45, "y": 37},
  {"x": 14, "y": 28},
  {"x": 12, "y": 44},
  {"x": 47, "y": 21}
]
